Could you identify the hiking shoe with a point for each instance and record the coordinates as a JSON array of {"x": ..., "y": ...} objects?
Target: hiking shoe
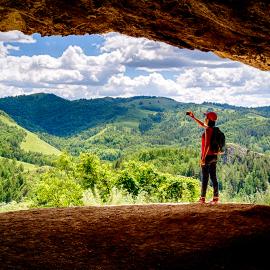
[
  {"x": 201, "y": 200},
  {"x": 215, "y": 200}
]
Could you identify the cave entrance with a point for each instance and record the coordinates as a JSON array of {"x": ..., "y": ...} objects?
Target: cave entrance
[{"x": 60, "y": 79}]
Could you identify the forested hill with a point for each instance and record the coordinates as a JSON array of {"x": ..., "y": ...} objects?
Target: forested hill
[
  {"x": 19, "y": 144},
  {"x": 110, "y": 127},
  {"x": 57, "y": 116},
  {"x": 139, "y": 145},
  {"x": 61, "y": 117}
]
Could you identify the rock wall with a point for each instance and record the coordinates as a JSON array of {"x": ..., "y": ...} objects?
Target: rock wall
[{"x": 235, "y": 29}]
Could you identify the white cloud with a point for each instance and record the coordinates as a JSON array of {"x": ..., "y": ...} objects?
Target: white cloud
[
  {"x": 12, "y": 36},
  {"x": 187, "y": 90},
  {"x": 154, "y": 56},
  {"x": 16, "y": 36},
  {"x": 4, "y": 49},
  {"x": 187, "y": 76}
]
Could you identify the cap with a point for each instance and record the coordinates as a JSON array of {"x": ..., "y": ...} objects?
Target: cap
[{"x": 211, "y": 116}]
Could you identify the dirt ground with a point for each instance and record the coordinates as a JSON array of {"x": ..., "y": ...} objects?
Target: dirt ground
[{"x": 228, "y": 236}]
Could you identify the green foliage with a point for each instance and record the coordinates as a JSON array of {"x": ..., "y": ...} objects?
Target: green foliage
[
  {"x": 138, "y": 126},
  {"x": 12, "y": 181},
  {"x": 56, "y": 189},
  {"x": 243, "y": 172},
  {"x": 92, "y": 174},
  {"x": 11, "y": 139},
  {"x": 57, "y": 116},
  {"x": 239, "y": 171},
  {"x": 65, "y": 163},
  {"x": 147, "y": 120},
  {"x": 181, "y": 189},
  {"x": 128, "y": 183},
  {"x": 173, "y": 160},
  {"x": 117, "y": 197},
  {"x": 89, "y": 170},
  {"x": 140, "y": 149},
  {"x": 65, "y": 184},
  {"x": 138, "y": 177},
  {"x": 145, "y": 125},
  {"x": 142, "y": 178},
  {"x": 29, "y": 142}
]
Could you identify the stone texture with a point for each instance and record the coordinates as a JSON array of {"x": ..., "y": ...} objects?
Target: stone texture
[
  {"x": 137, "y": 237},
  {"x": 235, "y": 29}
]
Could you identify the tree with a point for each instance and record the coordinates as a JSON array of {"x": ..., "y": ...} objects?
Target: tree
[
  {"x": 94, "y": 175},
  {"x": 88, "y": 169},
  {"x": 57, "y": 189},
  {"x": 12, "y": 182}
]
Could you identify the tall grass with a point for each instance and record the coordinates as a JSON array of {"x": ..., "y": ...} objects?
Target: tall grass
[
  {"x": 262, "y": 198},
  {"x": 117, "y": 197}
]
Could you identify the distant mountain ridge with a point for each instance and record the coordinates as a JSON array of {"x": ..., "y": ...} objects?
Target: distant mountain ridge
[
  {"x": 54, "y": 115},
  {"x": 58, "y": 116}
]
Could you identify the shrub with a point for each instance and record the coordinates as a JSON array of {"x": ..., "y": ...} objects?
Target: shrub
[{"x": 56, "y": 190}]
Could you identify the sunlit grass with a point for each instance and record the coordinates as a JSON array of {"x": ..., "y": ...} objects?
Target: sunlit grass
[
  {"x": 14, "y": 206},
  {"x": 26, "y": 166},
  {"x": 32, "y": 142}
]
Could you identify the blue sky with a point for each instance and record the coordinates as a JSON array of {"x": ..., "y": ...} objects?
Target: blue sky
[
  {"x": 116, "y": 65},
  {"x": 56, "y": 45}
]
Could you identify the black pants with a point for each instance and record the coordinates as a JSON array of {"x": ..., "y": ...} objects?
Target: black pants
[{"x": 209, "y": 169}]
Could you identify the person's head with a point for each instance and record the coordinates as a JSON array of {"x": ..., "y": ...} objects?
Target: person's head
[{"x": 210, "y": 119}]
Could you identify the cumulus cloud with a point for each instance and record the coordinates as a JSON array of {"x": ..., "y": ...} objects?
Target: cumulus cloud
[
  {"x": 127, "y": 66},
  {"x": 4, "y": 49},
  {"x": 16, "y": 36},
  {"x": 154, "y": 56},
  {"x": 198, "y": 85},
  {"x": 12, "y": 36}
]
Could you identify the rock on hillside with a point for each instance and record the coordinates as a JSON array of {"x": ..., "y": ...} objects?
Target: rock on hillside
[{"x": 236, "y": 151}]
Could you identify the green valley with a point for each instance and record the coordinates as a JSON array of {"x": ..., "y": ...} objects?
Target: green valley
[
  {"x": 22, "y": 145},
  {"x": 126, "y": 150},
  {"x": 31, "y": 141}
]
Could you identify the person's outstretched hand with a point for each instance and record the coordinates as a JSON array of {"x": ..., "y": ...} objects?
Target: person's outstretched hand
[{"x": 191, "y": 114}]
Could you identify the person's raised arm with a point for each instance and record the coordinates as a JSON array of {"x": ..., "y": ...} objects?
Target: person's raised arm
[{"x": 191, "y": 114}]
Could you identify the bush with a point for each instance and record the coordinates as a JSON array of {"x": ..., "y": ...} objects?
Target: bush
[
  {"x": 180, "y": 189},
  {"x": 56, "y": 189},
  {"x": 140, "y": 178}
]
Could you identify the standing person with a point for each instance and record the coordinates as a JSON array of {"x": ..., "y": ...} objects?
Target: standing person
[{"x": 208, "y": 160}]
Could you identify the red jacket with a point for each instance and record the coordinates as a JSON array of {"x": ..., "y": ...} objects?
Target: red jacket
[{"x": 206, "y": 138}]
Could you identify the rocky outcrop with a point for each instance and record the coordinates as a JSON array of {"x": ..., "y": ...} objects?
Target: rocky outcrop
[
  {"x": 236, "y": 29},
  {"x": 237, "y": 152}
]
